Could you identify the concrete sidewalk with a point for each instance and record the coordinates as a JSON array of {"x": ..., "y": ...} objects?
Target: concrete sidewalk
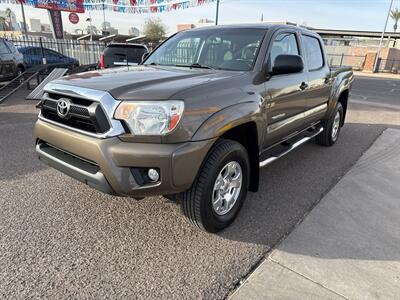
[
  {"x": 377, "y": 75},
  {"x": 349, "y": 244}
]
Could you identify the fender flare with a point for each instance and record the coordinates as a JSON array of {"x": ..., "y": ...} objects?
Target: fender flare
[
  {"x": 340, "y": 85},
  {"x": 228, "y": 118}
]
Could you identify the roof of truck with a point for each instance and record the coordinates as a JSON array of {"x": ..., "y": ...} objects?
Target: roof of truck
[{"x": 265, "y": 26}]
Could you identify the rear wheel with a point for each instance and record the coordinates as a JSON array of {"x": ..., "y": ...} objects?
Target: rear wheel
[
  {"x": 220, "y": 188},
  {"x": 331, "y": 127}
]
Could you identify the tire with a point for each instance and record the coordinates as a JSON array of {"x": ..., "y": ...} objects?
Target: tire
[
  {"x": 332, "y": 127},
  {"x": 20, "y": 70},
  {"x": 197, "y": 203}
]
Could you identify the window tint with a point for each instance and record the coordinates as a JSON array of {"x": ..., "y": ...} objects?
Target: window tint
[
  {"x": 226, "y": 49},
  {"x": 3, "y": 48},
  {"x": 285, "y": 43},
  {"x": 314, "y": 53},
  {"x": 33, "y": 51},
  {"x": 49, "y": 52},
  {"x": 183, "y": 52},
  {"x": 11, "y": 46},
  {"x": 135, "y": 54}
]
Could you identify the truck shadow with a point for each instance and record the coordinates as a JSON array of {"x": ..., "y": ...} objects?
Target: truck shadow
[{"x": 293, "y": 185}]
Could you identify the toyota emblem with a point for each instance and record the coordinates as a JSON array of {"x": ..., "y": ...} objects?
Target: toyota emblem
[{"x": 63, "y": 106}]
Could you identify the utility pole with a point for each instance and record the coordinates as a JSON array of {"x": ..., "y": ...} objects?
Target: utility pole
[
  {"x": 90, "y": 26},
  {"x": 23, "y": 18},
  {"x": 382, "y": 37},
  {"x": 104, "y": 17},
  {"x": 217, "y": 13}
]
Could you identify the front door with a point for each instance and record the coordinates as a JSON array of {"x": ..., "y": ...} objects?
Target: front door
[{"x": 285, "y": 101}]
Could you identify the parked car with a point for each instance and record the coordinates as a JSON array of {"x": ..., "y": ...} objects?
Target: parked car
[
  {"x": 198, "y": 119},
  {"x": 33, "y": 56},
  {"x": 122, "y": 54},
  {"x": 11, "y": 61}
]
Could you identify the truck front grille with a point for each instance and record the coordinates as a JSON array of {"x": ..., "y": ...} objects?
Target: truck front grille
[{"x": 83, "y": 114}]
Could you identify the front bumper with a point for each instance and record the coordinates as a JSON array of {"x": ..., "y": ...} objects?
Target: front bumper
[{"x": 105, "y": 164}]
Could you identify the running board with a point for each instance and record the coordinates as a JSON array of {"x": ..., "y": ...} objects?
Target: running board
[{"x": 292, "y": 147}]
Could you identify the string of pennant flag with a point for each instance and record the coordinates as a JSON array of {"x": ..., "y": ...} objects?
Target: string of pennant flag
[{"x": 122, "y": 6}]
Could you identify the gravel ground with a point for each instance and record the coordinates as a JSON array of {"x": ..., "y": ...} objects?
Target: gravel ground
[{"x": 61, "y": 239}]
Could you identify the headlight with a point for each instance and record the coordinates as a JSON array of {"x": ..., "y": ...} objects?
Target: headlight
[{"x": 150, "y": 117}]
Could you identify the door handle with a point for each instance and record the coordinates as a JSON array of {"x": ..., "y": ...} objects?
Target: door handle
[{"x": 303, "y": 86}]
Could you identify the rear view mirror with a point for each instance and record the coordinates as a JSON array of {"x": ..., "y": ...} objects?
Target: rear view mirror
[
  {"x": 287, "y": 64},
  {"x": 144, "y": 56}
]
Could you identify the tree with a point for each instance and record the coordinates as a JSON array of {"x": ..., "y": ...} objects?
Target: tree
[
  {"x": 3, "y": 24},
  {"x": 8, "y": 18},
  {"x": 395, "y": 15},
  {"x": 154, "y": 29}
]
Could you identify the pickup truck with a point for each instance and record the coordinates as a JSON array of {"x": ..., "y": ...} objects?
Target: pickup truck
[{"x": 197, "y": 119}]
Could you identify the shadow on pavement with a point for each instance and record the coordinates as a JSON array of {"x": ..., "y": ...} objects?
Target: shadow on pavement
[{"x": 293, "y": 185}]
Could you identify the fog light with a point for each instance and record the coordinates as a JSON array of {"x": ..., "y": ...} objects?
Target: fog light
[{"x": 153, "y": 175}]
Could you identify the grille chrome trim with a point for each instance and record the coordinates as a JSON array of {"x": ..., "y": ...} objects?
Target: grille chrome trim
[{"x": 107, "y": 102}]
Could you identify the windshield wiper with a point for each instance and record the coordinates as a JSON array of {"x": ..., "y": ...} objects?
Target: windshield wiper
[{"x": 195, "y": 65}]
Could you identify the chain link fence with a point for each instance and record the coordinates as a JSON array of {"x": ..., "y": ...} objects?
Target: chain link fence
[{"x": 355, "y": 61}]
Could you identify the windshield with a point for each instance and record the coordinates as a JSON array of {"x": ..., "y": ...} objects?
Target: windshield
[{"x": 224, "y": 49}]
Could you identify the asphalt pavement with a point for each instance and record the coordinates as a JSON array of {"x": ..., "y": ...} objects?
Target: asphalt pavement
[{"x": 60, "y": 239}]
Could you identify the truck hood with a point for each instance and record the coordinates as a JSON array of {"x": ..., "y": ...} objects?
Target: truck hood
[{"x": 145, "y": 82}]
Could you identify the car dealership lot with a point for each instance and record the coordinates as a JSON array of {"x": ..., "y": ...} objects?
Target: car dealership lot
[{"x": 59, "y": 238}]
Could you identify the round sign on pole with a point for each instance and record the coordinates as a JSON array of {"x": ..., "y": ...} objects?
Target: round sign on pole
[{"x": 73, "y": 18}]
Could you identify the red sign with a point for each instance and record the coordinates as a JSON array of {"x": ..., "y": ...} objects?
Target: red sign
[
  {"x": 63, "y": 5},
  {"x": 73, "y": 18}
]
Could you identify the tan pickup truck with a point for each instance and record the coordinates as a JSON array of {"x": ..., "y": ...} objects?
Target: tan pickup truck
[{"x": 197, "y": 118}]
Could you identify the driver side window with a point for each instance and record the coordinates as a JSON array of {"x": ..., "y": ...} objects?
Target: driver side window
[{"x": 284, "y": 43}]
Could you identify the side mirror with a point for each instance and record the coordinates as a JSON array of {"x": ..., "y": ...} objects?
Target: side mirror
[
  {"x": 144, "y": 56},
  {"x": 287, "y": 64}
]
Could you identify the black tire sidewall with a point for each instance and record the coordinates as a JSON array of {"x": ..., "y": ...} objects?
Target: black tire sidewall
[
  {"x": 212, "y": 221},
  {"x": 339, "y": 108}
]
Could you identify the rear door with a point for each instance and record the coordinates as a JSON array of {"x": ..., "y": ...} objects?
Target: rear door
[
  {"x": 285, "y": 93},
  {"x": 318, "y": 75}
]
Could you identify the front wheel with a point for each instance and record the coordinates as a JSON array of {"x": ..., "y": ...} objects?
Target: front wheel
[
  {"x": 331, "y": 127},
  {"x": 220, "y": 188}
]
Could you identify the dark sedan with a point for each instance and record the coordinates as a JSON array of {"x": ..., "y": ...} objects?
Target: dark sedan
[
  {"x": 36, "y": 55},
  {"x": 11, "y": 61}
]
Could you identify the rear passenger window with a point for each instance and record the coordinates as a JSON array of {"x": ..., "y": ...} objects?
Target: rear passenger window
[
  {"x": 284, "y": 43},
  {"x": 314, "y": 53},
  {"x": 3, "y": 48},
  {"x": 11, "y": 47}
]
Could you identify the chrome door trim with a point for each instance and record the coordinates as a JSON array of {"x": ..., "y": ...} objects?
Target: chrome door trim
[{"x": 279, "y": 125}]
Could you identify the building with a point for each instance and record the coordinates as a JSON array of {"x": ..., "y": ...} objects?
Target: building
[
  {"x": 21, "y": 25},
  {"x": 133, "y": 31},
  {"x": 105, "y": 25},
  {"x": 45, "y": 27},
  {"x": 35, "y": 25},
  {"x": 204, "y": 22},
  {"x": 181, "y": 27},
  {"x": 201, "y": 23}
]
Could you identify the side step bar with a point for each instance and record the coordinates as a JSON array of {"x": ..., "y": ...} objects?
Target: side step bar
[{"x": 292, "y": 147}]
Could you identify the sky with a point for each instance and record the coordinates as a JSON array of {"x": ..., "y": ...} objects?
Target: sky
[{"x": 327, "y": 14}]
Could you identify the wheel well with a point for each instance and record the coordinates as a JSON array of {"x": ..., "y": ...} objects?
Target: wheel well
[
  {"x": 344, "y": 99},
  {"x": 247, "y": 135}
]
